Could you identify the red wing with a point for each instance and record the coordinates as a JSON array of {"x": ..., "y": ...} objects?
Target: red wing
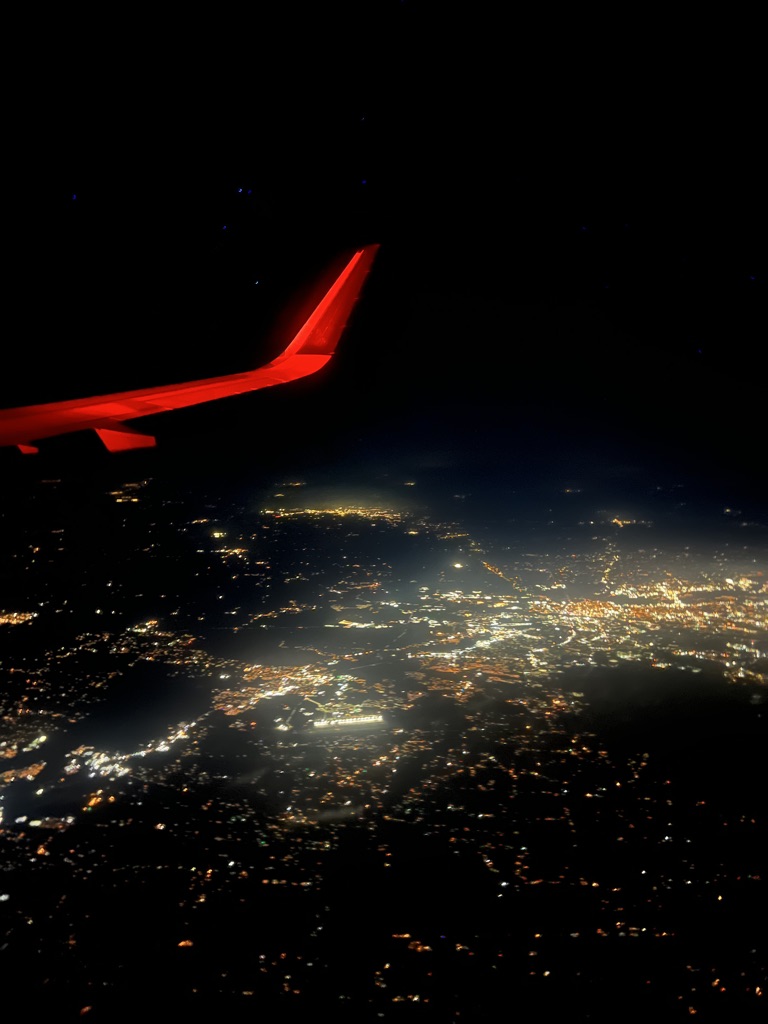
[{"x": 308, "y": 352}]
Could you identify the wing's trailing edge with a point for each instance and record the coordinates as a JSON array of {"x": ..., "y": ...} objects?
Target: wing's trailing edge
[{"x": 309, "y": 351}]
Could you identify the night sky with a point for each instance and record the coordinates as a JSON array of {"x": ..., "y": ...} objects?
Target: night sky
[{"x": 572, "y": 231}]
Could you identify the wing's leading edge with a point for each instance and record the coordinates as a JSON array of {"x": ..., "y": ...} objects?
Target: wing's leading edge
[{"x": 311, "y": 348}]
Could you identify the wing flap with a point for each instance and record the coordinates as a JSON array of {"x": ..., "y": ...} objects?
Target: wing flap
[{"x": 120, "y": 438}]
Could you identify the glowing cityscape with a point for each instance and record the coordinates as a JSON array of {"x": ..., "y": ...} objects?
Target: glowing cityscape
[{"x": 378, "y": 683}]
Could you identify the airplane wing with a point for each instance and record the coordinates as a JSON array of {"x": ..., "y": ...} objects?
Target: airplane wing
[{"x": 308, "y": 352}]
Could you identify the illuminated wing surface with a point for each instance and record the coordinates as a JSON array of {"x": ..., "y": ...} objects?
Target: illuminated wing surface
[{"x": 308, "y": 352}]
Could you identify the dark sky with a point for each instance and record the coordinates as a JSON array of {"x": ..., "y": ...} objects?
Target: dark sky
[{"x": 572, "y": 222}]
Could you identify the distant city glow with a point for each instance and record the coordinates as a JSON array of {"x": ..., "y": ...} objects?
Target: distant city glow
[{"x": 359, "y": 676}]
